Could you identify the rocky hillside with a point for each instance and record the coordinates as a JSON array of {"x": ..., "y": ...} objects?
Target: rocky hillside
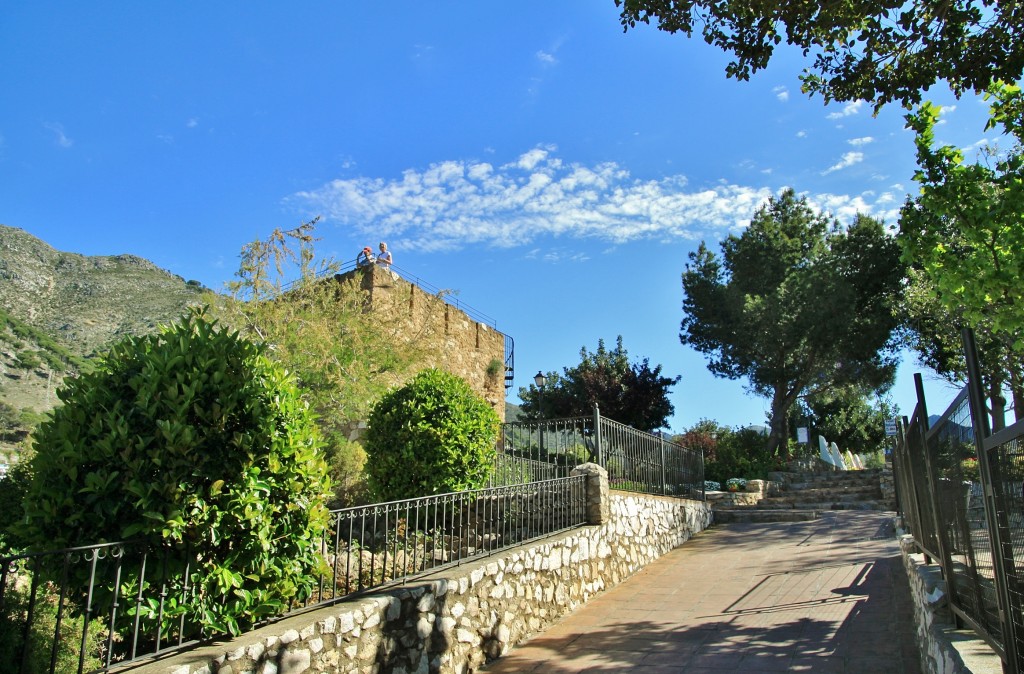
[{"x": 59, "y": 309}]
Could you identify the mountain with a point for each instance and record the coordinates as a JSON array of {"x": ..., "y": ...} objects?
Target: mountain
[{"x": 59, "y": 309}]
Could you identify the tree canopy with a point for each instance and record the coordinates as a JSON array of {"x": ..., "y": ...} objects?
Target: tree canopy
[
  {"x": 847, "y": 415},
  {"x": 933, "y": 332},
  {"x": 878, "y": 51},
  {"x": 633, "y": 394},
  {"x": 966, "y": 227},
  {"x": 795, "y": 305}
]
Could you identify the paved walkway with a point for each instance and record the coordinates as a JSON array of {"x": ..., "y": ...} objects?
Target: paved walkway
[{"x": 823, "y": 596}]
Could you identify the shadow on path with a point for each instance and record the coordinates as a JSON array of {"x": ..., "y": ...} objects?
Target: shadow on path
[{"x": 823, "y": 596}]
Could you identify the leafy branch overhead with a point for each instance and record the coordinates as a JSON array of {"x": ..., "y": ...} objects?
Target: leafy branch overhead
[
  {"x": 966, "y": 228},
  {"x": 879, "y": 51}
]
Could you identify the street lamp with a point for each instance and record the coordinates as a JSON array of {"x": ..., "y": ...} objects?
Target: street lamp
[{"x": 539, "y": 379}]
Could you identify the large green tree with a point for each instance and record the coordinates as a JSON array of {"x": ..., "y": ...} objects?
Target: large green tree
[
  {"x": 934, "y": 333},
  {"x": 634, "y": 394},
  {"x": 965, "y": 230},
  {"x": 795, "y": 305},
  {"x": 878, "y": 51}
]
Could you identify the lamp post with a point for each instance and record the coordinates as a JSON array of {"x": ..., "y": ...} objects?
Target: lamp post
[{"x": 539, "y": 379}]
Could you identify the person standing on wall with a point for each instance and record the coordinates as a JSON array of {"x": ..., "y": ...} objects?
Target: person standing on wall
[
  {"x": 365, "y": 257},
  {"x": 384, "y": 256}
]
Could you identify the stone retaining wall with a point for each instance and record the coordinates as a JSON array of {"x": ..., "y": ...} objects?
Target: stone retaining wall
[
  {"x": 457, "y": 619},
  {"x": 943, "y": 649}
]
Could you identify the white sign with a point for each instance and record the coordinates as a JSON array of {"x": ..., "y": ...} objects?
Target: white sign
[
  {"x": 890, "y": 427},
  {"x": 801, "y": 434}
]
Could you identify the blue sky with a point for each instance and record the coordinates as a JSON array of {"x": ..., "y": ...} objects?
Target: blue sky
[{"x": 550, "y": 169}]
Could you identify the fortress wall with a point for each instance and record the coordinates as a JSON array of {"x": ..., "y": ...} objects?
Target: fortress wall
[{"x": 446, "y": 337}]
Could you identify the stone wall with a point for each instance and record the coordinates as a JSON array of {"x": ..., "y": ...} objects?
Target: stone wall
[
  {"x": 445, "y": 337},
  {"x": 458, "y": 619},
  {"x": 943, "y": 649}
]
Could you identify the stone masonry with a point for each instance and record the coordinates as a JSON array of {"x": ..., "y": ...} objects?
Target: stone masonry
[
  {"x": 446, "y": 337},
  {"x": 460, "y": 618}
]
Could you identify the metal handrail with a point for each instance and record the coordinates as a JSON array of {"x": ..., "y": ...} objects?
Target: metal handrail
[{"x": 124, "y": 597}]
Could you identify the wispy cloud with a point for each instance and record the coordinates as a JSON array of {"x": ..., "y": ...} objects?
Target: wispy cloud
[
  {"x": 801, "y": 134},
  {"x": 781, "y": 93},
  {"x": 452, "y": 204},
  {"x": 847, "y": 160},
  {"x": 192, "y": 122},
  {"x": 556, "y": 255},
  {"x": 861, "y": 142},
  {"x": 547, "y": 58},
  {"x": 847, "y": 110},
  {"x": 59, "y": 136}
]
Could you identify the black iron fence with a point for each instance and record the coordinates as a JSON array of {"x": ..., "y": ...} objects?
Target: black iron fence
[
  {"x": 89, "y": 608},
  {"x": 960, "y": 490},
  {"x": 635, "y": 460}
]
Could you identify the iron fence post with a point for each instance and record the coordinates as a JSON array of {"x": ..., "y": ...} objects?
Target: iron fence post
[
  {"x": 995, "y": 514},
  {"x": 941, "y": 537},
  {"x": 664, "y": 484},
  {"x": 597, "y": 436}
]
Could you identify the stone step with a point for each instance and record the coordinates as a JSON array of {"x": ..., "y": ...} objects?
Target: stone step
[
  {"x": 866, "y": 490},
  {"x": 824, "y": 496},
  {"x": 756, "y": 515},
  {"x": 872, "y": 504},
  {"x": 837, "y": 476},
  {"x": 852, "y": 484}
]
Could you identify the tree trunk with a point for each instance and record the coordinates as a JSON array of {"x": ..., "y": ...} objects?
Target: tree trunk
[
  {"x": 779, "y": 435},
  {"x": 997, "y": 403},
  {"x": 1017, "y": 389}
]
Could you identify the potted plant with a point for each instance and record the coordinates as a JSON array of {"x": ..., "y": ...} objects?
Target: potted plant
[{"x": 735, "y": 484}]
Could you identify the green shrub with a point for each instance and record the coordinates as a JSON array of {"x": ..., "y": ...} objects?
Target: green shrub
[
  {"x": 14, "y": 614},
  {"x": 13, "y": 488},
  {"x": 27, "y": 360},
  {"x": 433, "y": 435},
  {"x": 189, "y": 438},
  {"x": 877, "y": 460},
  {"x": 740, "y": 453},
  {"x": 345, "y": 461}
]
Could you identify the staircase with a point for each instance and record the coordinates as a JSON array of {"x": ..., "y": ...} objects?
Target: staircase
[{"x": 794, "y": 497}]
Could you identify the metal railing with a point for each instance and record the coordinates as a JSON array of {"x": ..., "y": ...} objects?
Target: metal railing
[
  {"x": 635, "y": 460},
  {"x": 89, "y": 608},
  {"x": 960, "y": 491}
]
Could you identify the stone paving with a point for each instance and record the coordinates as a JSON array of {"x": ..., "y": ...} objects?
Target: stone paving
[{"x": 828, "y": 595}]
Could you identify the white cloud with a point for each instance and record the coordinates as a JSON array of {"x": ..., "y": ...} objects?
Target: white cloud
[
  {"x": 192, "y": 122},
  {"x": 847, "y": 160},
  {"x": 546, "y": 58},
  {"x": 848, "y": 110},
  {"x": 165, "y": 138},
  {"x": 860, "y": 142},
  {"x": 58, "y": 130},
  {"x": 977, "y": 146},
  {"x": 801, "y": 134},
  {"x": 781, "y": 93},
  {"x": 452, "y": 204}
]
